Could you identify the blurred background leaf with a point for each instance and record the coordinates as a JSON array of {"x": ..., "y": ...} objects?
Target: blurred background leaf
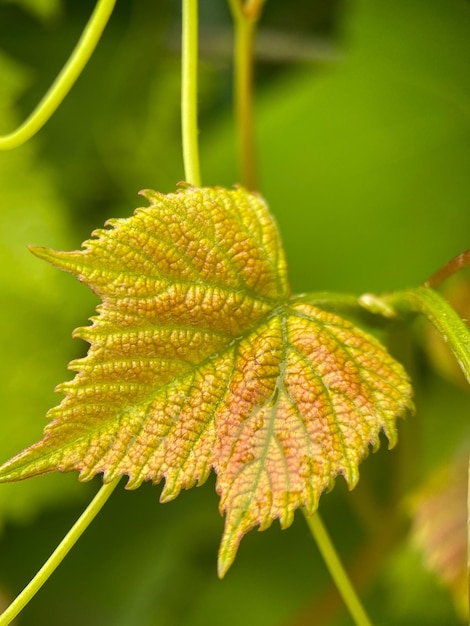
[
  {"x": 42, "y": 9},
  {"x": 363, "y": 124},
  {"x": 440, "y": 527},
  {"x": 373, "y": 149},
  {"x": 32, "y": 310}
]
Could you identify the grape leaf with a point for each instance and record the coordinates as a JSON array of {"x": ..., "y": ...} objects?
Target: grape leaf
[
  {"x": 440, "y": 527},
  {"x": 200, "y": 359}
]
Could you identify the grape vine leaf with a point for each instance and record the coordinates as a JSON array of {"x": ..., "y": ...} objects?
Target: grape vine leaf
[
  {"x": 439, "y": 528},
  {"x": 199, "y": 358}
]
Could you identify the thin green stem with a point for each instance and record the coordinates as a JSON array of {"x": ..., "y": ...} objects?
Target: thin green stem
[
  {"x": 189, "y": 62},
  {"x": 245, "y": 17},
  {"x": 336, "y": 569},
  {"x": 66, "y": 78},
  {"x": 331, "y": 299},
  {"x": 59, "y": 553},
  {"x": 442, "y": 316}
]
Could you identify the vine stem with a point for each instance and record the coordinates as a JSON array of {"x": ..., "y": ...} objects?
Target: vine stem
[
  {"x": 336, "y": 569},
  {"x": 59, "y": 553},
  {"x": 449, "y": 269},
  {"x": 245, "y": 17},
  {"x": 65, "y": 79},
  {"x": 442, "y": 316},
  {"x": 189, "y": 62}
]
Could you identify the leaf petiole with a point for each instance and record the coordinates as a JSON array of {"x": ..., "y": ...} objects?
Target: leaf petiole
[
  {"x": 440, "y": 313},
  {"x": 65, "y": 80},
  {"x": 331, "y": 300},
  {"x": 59, "y": 553},
  {"x": 336, "y": 569}
]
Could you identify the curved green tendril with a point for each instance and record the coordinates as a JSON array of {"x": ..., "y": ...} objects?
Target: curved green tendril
[
  {"x": 59, "y": 553},
  {"x": 66, "y": 78}
]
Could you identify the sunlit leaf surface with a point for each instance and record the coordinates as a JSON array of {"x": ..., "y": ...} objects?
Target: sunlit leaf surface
[{"x": 200, "y": 359}]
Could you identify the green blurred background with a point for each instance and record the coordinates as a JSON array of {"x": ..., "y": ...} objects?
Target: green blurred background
[{"x": 363, "y": 129}]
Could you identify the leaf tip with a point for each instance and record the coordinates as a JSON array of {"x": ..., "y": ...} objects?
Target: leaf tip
[
  {"x": 150, "y": 195},
  {"x": 352, "y": 477},
  {"x": 183, "y": 184},
  {"x": 169, "y": 492},
  {"x": 392, "y": 437},
  {"x": 224, "y": 561},
  {"x": 24, "y": 465},
  {"x": 229, "y": 546},
  {"x": 62, "y": 260},
  {"x": 41, "y": 252}
]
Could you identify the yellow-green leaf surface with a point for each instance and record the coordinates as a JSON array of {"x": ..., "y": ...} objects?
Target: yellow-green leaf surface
[{"x": 200, "y": 359}]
